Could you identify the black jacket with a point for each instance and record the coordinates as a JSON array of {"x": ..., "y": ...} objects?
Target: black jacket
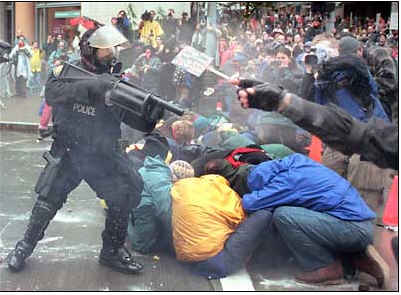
[
  {"x": 90, "y": 126},
  {"x": 376, "y": 141}
]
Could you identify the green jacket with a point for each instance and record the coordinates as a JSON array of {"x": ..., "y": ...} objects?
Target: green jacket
[{"x": 149, "y": 229}]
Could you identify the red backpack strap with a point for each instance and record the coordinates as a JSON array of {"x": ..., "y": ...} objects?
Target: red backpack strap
[{"x": 242, "y": 150}]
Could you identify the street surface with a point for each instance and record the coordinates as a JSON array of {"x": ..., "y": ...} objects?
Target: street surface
[{"x": 66, "y": 259}]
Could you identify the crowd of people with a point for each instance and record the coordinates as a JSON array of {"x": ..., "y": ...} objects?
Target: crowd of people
[
  {"x": 212, "y": 188},
  {"x": 352, "y": 66}
]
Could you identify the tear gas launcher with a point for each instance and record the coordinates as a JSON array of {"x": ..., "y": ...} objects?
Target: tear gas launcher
[{"x": 123, "y": 93}]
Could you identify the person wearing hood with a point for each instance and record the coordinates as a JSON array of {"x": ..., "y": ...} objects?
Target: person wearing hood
[
  {"x": 384, "y": 71},
  {"x": 310, "y": 213},
  {"x": 345, "y": 81}
]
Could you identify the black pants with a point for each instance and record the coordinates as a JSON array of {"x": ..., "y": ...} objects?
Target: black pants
[{"x": 111, "y": 176}]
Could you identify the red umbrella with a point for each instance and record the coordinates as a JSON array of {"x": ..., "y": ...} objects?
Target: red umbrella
[{"x": 87, "y": 23}]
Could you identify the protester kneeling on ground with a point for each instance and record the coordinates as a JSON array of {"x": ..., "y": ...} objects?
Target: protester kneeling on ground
[
  {"x": 201, "y": 220},
  {"x": 321, "y": 218}
]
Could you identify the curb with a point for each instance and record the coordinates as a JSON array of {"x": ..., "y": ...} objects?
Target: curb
[{"x": 19, "y": 126}]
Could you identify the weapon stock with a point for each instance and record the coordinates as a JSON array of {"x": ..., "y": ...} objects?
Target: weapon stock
[{"x": 123, "y": 94}]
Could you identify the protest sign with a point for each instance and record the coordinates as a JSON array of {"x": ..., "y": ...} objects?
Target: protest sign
[{"x": 192, "y": 60}]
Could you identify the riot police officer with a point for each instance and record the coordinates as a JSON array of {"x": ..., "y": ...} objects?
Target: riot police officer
[{"x": 85, "y": 147}]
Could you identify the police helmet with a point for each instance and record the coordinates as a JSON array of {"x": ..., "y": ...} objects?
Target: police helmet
[{"x": 104, "y": 37}]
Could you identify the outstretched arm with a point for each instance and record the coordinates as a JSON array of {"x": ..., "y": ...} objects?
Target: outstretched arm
[{"x": 376, "y": 141}]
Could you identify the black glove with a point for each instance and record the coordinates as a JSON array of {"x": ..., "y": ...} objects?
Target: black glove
[
  {"x": 90, "y": 90},
  {"x": 154, "y": 112},
  {"x": 267, "y": 96},
  {"x": 159, "y": 114},
  {"x": 248, "y": 83}
]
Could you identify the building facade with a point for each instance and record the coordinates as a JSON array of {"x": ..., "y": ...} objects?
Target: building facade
[
  {"x": 104, "y": 11},
  {"x": 7, "y": 21},
  {"x": 38, "y": 19}
]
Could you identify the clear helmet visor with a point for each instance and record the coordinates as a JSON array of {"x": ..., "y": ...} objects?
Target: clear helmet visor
[{"x": 106, "y": 37}]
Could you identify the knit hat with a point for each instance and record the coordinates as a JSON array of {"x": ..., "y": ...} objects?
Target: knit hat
[
  {"x": 348, "y": 45},
  {"x": 181, "y": 169}
]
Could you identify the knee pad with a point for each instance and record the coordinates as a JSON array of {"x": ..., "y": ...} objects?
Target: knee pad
[
  {"x": 44, "y": 206},
  {"x": 52, "y": 203}
]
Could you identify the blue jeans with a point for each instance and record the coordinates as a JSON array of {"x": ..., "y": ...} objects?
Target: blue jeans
[
  {"x": 315, "y": 239},
  {"x": 238, "y": 247}
]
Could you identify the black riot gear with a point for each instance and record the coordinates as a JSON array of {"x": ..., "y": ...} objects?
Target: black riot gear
[
  {"x": 42, "y": 213},
  {"x": 86, "y": 147}
]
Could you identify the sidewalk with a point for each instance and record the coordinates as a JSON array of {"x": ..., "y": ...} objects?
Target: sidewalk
[{"x": 20, "y": 113}]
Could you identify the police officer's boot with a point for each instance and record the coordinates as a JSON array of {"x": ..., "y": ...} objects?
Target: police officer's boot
[
  {"x": 42, "y": 213},
  {"x": 113, "y": 253}
]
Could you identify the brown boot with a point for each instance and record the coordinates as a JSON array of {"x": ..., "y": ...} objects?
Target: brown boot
[
  {"x": 372, "y": 263},
  {"x": 329, "y": 275}
]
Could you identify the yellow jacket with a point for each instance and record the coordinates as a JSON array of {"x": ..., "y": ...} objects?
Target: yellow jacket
[
  {"x": 147, "y": 30},
  {"x": 205, "y": 211},
  {"x": 36, "y": 60}
]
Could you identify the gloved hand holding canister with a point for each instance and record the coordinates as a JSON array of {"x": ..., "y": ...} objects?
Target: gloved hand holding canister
[{"x": 259, "y": 95}]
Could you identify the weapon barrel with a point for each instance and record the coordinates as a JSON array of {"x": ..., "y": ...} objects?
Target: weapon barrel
[
  {"x": 168, "y": 106},
  {"x": 130, "y": 95},
  {"x": 123, "y": 94}
]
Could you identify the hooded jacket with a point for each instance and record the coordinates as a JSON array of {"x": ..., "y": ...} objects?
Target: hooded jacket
[
  {"x": 385, "y": 72},
  {"x": 150, "y": 226},
  {"x": 299, "y": 181},
  {"x": 358, "y": 94},
  {"x": 205, "y": 212}
]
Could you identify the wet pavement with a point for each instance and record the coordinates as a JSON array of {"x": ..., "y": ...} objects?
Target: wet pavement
[{"x": 66, "y": 259}]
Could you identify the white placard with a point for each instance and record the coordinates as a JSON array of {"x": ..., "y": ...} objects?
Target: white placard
[{"x": 192, "y": 60}]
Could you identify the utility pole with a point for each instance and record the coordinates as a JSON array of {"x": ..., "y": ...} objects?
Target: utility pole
[
  {"x": 331, "y": 19},
  {"x": 211, "y": 40}
]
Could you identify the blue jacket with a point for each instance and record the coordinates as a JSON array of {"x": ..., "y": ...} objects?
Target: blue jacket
[
  {"x": 346, "y": 101},
  {"x": 298, "y": 181}
]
